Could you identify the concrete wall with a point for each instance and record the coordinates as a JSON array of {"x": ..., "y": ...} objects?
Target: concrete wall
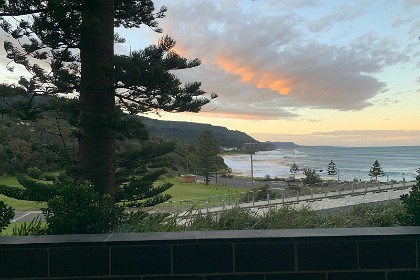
[{"x": 319, "y": 254}]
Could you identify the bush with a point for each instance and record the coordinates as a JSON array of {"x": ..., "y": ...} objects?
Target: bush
[
  {"x": 34, "y": 172},
  {"x": 289, "y": 217},
  {"x": 411, "y": 203},
  {"x": 6, "y": 215},
  {"x": 79, "y": 209},
  {"x": 141, "y": 221},
  {"x": 35, "y": 227},
  {"x": 231, "y": 219},
  {"x": 311, "y": 177},
  {"x": 261, "y": 192},
  {"x": 385, "y": 214},
  {"x": 49, "y": 177},
  {"x": 236, "y": 219}
]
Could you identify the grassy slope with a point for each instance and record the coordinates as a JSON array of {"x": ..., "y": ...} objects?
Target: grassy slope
[
  {"x": 14, "y": 203},
  {"x": 9, "y": 181},
  {"x": 182, "y": 191},
  {"x": 179, "y": 191}
]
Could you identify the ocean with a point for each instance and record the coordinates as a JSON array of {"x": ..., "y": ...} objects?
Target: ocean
[{"x": 352, "y": 162}]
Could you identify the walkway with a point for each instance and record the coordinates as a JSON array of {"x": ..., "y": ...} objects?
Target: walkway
[{"x": 327, "y": 200}]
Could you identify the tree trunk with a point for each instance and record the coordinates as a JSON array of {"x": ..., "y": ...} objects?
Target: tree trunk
[{"x": 97, "y": 101}]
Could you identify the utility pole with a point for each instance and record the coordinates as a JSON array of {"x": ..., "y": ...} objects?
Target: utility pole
[{"x": 252, "y": 172}]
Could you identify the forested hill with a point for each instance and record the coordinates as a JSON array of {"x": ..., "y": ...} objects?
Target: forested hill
[{"x": 188, "y": 132}]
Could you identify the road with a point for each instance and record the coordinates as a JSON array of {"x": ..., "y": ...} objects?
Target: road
[{"x": 26, "y": 216}]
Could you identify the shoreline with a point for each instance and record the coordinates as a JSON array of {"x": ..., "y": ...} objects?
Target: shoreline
[{"x": 353, "y": 163}]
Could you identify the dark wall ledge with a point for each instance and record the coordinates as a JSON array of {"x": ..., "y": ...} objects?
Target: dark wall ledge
[{"x": 353, "y": 253}]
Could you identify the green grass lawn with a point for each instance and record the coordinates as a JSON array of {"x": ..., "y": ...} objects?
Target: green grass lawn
[
  {"x": 181, "y": 194},
  {"x": 22, "y": 205},
  {"x": 15, "y": 203},
  {"x": 9, "y": 181},
  {"x": 9, "y": 230},
  {"x": 199, "y": 193}
]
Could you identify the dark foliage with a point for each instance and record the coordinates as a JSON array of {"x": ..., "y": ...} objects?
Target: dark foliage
[
  {"x": 79, "y": 209},
  {"x": 311, "y": 177},
  {"x": 6, "y": 215},
  {"x": 411, "y": 202}
]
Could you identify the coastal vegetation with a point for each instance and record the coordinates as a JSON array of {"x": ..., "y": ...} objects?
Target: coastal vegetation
[{"x": 385, "y": 214}]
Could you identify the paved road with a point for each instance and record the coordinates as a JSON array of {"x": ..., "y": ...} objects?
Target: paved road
[{"x": 26, "y": 216}]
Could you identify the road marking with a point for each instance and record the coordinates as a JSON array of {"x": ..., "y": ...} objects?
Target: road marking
[{"x": 23, "y": 216}]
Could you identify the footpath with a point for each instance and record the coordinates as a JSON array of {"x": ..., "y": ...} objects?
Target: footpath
[{"x": 321, "y": 201}]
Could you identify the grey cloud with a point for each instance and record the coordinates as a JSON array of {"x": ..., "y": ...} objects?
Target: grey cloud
[
  {"x": 370, "y": 133},
  {"x": 349, "y": 138},
  {"x": 344, "y": 13},
  {"x": 237, "y": 99},
  {"x": 412, "y": 3},
  {"x": 276, "y": 48}
]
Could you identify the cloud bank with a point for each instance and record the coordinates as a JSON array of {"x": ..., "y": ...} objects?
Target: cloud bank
[
  {"x": 266, "y": 58},
  {"x": 350, "y": 138}
]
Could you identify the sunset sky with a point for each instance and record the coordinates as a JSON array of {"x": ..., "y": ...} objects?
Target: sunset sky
[{"x": 313, "y": 72}]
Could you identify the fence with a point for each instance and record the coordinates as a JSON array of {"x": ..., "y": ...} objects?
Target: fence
[{"x": 277, "y": 196}]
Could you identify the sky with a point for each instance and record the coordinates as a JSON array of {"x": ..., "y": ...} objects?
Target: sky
[{"x": 344, "y": 73}]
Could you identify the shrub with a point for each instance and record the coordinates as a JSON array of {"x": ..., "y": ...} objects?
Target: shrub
[
  {"x": 411, "y": 203},
  {"x": 236, "y": 219},
  {"x": 34, "y": 172},
  {"x": 141, "y": 221},
  {"x": 6, "y": 215},
  {"x": 261, "y": 192},
  {"x": 35, "y": 227},
  {"x": 49, "y": 177},
  {"x": 384, "y": 214},
  {"x": 311, "y": 177},
  {"x": 230, "y": 219},
  {"x": 289, "y": 217},
  {"x": 79, "y": 209}
]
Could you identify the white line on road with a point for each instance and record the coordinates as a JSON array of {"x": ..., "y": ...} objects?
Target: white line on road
[{"x": 21, "y": 217}]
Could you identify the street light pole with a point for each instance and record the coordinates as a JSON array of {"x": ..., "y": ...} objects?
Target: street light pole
[{"x": 252, "y": 172}]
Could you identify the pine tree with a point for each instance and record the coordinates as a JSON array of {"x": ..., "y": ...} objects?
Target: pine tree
[
  {"x": 332, "y": 168},
  {"x": 206, "y": 152},
  {"x": 376, "y": 170},
  {"x": 68, "y": 46},
  {"x": 294, "y": 168}
]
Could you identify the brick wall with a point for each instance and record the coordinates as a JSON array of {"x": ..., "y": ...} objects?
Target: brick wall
[{"x": 319, "y": 254}]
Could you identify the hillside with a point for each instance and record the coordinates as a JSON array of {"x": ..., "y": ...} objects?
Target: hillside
[
  {"x": 188, "y": 132},
  {"x": 285, "y": 145}
]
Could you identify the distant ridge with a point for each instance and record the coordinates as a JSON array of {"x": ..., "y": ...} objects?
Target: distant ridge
[
  {"x": 188, "y": 132},
  {"x": 285, "y": 145}
]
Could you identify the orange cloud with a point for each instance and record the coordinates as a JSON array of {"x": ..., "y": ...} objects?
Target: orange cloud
[
  {"x": 230, "y": 115},
  {"x": 249, "y": 75}
]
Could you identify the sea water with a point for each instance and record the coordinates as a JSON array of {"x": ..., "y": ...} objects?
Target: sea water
[{"x": 398, "y": 163}]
